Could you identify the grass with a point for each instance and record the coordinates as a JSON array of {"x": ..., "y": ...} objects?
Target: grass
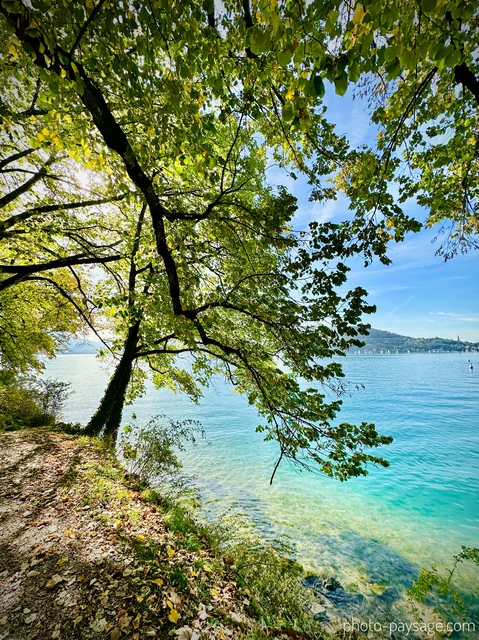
[{"x": 269, "y": 582}]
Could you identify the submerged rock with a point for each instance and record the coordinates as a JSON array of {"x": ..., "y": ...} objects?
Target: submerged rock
[
  {"x": 333, "y": 593},
  {"x": 312, "y": 582},
  {"x": 318, "y": 584},
  {"x": 331, "y": 584},
  {"x": 317, "y": 609}
]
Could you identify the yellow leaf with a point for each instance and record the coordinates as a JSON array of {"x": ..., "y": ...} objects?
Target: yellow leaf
[
  {"x": 69, "y": 532},
  {"x": 13, "y": 51},
  {"x": 214, "y": 592},
  {"x": 193, "y": 573},
  {"x": 272, "y": 4},
  {"x": 63, "y": 73},
  {"x": 170, "y": 552},
  {"x": 62, "y": 561},
  {"x": 89, "y": 4},
  {"x": 140, "y": 537},
  {"x": 173, "y": 617},
  {"x": 40, "y": 137},
  {"x": 108, "y": 170},
  {"x": 158, "y": 581},
  {"x": 169, "y": 604},
  {"x": 42, "y": 47},
  {"x": 207, "y": 568},
  {"x": 289, "y": 94},
  {"x": 359, "y": 14}
]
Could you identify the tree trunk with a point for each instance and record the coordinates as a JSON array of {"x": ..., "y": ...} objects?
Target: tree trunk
[{"x": 107, "y": 417}]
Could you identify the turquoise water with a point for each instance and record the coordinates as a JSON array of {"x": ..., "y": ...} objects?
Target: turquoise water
[{"x": 381, "y": 528}]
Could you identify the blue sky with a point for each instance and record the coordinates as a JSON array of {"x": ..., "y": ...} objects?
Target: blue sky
[{"x": 419, "y": 295}]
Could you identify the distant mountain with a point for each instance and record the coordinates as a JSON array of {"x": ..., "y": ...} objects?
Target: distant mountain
[
  {"x": 376, "y": 342},
  {"x": 387, "y": 342},
  {"x": 83, "y": 346}
]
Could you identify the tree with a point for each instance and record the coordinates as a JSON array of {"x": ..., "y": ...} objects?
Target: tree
[
  {"x": 186, "y": 103},
  {"x": 49, "y": 227},
  {"x": 421, "y": 75}
]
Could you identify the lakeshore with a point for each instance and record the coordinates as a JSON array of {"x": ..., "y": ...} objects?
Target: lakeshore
[{"x": 375, "y": 533}]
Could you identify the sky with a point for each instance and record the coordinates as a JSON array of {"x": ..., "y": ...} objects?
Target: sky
[{"x": 419, "y": 294}]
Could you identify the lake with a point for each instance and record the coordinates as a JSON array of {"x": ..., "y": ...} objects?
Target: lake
[{"x": 376, "y": 529}]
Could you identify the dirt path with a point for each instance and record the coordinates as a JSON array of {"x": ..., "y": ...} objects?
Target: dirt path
[{"x": 82, "y": 555}]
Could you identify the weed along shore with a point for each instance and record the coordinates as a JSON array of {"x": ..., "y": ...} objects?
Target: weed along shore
[{"x": 85, "y": 553}]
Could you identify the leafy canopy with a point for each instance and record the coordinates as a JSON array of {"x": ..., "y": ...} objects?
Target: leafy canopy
[{"x": 178, "y": 107}]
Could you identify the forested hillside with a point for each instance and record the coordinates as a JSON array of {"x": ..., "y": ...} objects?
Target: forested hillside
[{"x": 384, "y": 341}]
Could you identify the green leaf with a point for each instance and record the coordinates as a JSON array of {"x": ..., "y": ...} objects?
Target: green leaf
[
  {"x": 453, "y": 59},
  {"x": 284, "y": 58},
  {"x": 260, "y": 41},
  {"x": 288, "y": 111},
  {"x": 428, "y": 6},
  {"x": 319, "y": 86},
  {"x": 354, "y": 71},
  {"x": 341, "y": 84},
  {"x": 359, "y": 13}
]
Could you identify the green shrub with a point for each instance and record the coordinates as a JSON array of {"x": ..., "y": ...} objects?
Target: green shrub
[
  {"x": 151, "y": 452},
  {"x": 18, "y": 408},
  {"x": 30, "y": 402},
  {"x": 72, "y": 428},
  {"x": 42, "y": 420}
]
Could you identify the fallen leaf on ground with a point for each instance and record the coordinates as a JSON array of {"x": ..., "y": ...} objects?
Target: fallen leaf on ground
[
  {"x": 115, "y": 633},
  {"x": 173, "y": 617},
  {"x": 54, "y": 580}
]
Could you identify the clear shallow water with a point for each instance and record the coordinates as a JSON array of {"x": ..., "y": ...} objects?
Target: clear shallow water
[{"x": 381, "y": 528}]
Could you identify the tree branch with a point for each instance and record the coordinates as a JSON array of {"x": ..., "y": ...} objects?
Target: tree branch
[
  {"x": 23, "y": 271},
  {"x": 13, "y": 195},
  {"x": 463, "y": 75},
  {"x": 89, "y": 20},
  {"x": 25, "y": 215},
  {"x": 15, "y": 156}
]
